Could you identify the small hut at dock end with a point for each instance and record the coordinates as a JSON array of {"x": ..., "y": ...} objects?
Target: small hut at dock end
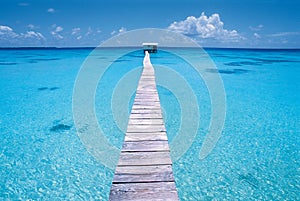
[{"x": 150, "y": 47}]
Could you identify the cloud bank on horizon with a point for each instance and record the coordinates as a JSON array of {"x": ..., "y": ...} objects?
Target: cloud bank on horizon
[{"x": 9, "y": 38}]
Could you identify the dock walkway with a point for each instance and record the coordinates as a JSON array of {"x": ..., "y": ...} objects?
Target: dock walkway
[{"x": 144, "y": 170}]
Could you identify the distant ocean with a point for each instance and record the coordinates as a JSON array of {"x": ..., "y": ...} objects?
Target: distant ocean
[{"x": 256, "y": 158}]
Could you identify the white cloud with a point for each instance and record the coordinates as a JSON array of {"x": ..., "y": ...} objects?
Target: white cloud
[
  {"x": 75, "y": 31},
  {"x": 51, "y": 10},
  {"x": 9, "y": 37},
  {"x": 256, "y": 35},
  {"x": 58, "y": 29},
  {"x": 5, "y": 29},
  {"x": 56, "y": 35},
  {"x": 89, "y": 31},
  {"x": 56, "y": 32},
  {"x": 282, "y": 34},
  {"x": 205, "y": 27},
  {"x": 7, "y": 32},
  {"x": 121, "y": 30},
  {"x": 257, "y": 28},
  {"x": 31, "y": 26},
  {"x": 32, "y": 34},
  {"x": 59, "y": 36}
]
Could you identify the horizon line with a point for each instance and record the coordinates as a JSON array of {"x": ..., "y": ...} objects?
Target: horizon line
[{"x": 94, "y": 47}]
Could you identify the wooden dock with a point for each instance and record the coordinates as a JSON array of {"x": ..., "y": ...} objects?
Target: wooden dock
[{"x": 144, "y": 170}]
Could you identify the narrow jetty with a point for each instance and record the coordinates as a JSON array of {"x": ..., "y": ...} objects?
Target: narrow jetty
[{"x": 144, "y": 170}]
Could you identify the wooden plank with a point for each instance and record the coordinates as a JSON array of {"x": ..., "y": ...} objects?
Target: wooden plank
[
  {"x": 147, "y": 87},
  {"x": 148, "y": 79},
  {"x": 146, "y": 99},
  {"x": 149, "y": 94},
  {"x": 146, "y": 95},
  {"x": 143, "y": 169},
  {"x": 145, "y": 75},
  {"x": 144, "y": 158},
  {"x": 155, "y": 191},
  {"x": 146, "y": 121},
  {"x": 144, "y": 133},
  {"x": 145, "y": 116},
  {"x": 141, "y": 108},
  {"x": 148, "y": 103},
  {"x": 145, "y": 111},
  {"x": 145, "y": 146},
  {"x": 143, "y": 137},
  {"x": 145, "y": 107},
  {"x": 148, "y": 90},
  {"x": 157, "y": 173},
  {"x": 146, "y": 128}
]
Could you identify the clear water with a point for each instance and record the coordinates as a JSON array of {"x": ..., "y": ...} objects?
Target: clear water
[{"x": 257, "y": 157}]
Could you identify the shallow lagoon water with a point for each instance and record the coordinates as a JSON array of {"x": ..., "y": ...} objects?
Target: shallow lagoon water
[{"x": 257, "y": 157}]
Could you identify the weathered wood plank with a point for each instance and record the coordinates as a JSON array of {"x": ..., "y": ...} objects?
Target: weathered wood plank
[
  {"x": 147, "y": 100},
  {"x": 144, "y": 158},
  {"x": 146, "y": 95},
  {"x": 145, "y": 116},
  {"x": 145, "y": 128},
  {"x": 146, "y": 146},
  {"x": 144, "y": 133},
  {"x": 143, "y": 137},
  {"x": 145, "y": 107},
  {"x": 149, "y": 111},
  {"x": 131, "y": 174},
  {"x": 141, "y": 108},
  {"x": 143, "y": 169},
  {"x": 147, "y": 80},
  {"x": 156, "y": 191},
  {"x": 146, "y": 90},
  {"x": 146, "y": 121},
  {"x": 149, "y": 103}
]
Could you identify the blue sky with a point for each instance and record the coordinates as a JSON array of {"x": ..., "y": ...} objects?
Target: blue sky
[{"x": 213, "y": 23}]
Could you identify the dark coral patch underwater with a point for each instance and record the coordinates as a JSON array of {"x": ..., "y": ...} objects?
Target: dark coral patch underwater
[
  {"x": 42, "y": 88},
  {"x": 48, "y": 88},
  {"x": 228, "y": 71},
  {"x": 53, "y": 88},
  {"x": 258, "y": 62},
  {"x": 60, "y": 128}
]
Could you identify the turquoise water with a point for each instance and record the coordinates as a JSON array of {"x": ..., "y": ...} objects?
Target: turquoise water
[{"x": 257, "y": 157}]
